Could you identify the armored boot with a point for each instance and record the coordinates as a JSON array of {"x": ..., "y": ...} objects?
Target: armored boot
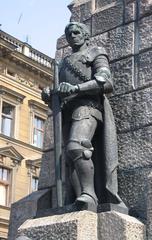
[
  {"x": 85, "y": 172},
  {"x": 80, "y": 154}
]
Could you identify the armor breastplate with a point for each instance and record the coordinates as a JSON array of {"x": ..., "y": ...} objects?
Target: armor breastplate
[{"x": 72, "y": 67}]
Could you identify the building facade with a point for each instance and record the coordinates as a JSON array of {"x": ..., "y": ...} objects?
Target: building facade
[{"x": 24, "y": 71}]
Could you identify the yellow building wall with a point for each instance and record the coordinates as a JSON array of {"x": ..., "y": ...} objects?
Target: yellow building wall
[{"x": 21, "y": 172}]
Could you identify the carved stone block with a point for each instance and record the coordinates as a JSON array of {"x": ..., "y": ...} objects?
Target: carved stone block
[
  {"x": 145, "y": 36},
  {"x": 133, "y": 110},
  {"x": 70, "y": 226},
  {"x": 133, "y": 190},
  {"x": 135, "y": 148},
  {"x": 130, "y": 11},
  {"x": 101, "y": 21},
  {"x": 47, "y": 173},
  {"x": 59, "y": 54},
  {"x": 84, "y": 225},
  {"x": 114, "y": 225},
  {"x": 121, "y": 41},
  {"x": 26, "y": 208},
  {"x": 81, "y": 12},
  {"x": 103, "y": 3},
  {"x": 48, "y": 133},
  {"x": 62, "y": 42},
  {"x": 145, "y": 7},
  {"x": 145, "y": 68},
  {"x": 100, "y": 40},
  {"x": 122, "y": 74}
]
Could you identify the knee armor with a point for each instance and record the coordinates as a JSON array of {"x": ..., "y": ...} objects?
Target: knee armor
[{"x": 79, "y": 149}]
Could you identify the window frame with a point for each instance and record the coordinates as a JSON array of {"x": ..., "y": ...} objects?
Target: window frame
[
  {"x": 12, "y": 133},
  {"x": 32, "y": 178},
  {"x": 39, "y": 110},
  {"x": 8, "y": 186},
  {"x": 15, "y": 99},
  {"x": 35, "y": 115}
]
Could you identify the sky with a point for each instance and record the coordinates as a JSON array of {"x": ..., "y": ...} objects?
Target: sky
[{"x": 40, "y": 22}]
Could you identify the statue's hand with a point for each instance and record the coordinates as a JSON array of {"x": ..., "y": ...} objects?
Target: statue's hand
[
  {"x": 46, "y": 94},
  {"x": 67, "y": 89}
]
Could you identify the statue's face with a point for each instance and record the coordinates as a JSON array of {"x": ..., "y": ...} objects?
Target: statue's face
[{"x": 75, "y": 36}]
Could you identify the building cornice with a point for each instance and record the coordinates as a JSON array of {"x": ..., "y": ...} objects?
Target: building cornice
[
  {"x": 12, "y": 52},
  {"x": 5, "y": 90},
  {"x": 34, "y": 163},
  {"x": 34, "y": 92},
  {"x": 11, "y": 152},
  {"x": 19, "y": 143},
  {"x": 38, "y": 105}
]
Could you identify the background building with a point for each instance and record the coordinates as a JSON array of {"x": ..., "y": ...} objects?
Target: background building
[{"x": 24, "y": 71}]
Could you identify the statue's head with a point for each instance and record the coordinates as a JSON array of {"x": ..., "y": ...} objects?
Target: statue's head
[{"x": 77, "y": 34}]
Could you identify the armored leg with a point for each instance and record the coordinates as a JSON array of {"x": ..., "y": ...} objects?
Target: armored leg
[{"x": 80, "y": 149}]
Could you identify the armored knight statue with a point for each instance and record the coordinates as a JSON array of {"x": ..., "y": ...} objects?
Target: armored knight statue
[{"x": 88, "y": 125}]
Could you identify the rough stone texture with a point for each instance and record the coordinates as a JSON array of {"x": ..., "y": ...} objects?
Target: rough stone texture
[
  {"x": 114, "y": 225},
  {"x": 121, "y": 41},
  {"x": 133, "y": 110},
  {"x": 145, "y": 36},
  {"x": 145, "y": 68},
  {"x": 104, "y": 3},
  {"x": 59, "y": 54},
  {"x": 130, "y": 11},
  {"x": 77, "y": 3},
  {"x": 62, "y": 42},
  {"x": 47, "y": 173},
  {"x": 48, "y": 138},
  {"x": 149, "y": 207},
  {"x": 84, "y": 225},
  {"x": 81, "y": 12},
  {"x": 145, "y": 7},
  {"x": 26, "y": 208},
  {"x": 101, "y": 21},
  {"x": 122, "y": 74},
  {"x": 135, "y": 148},
  {"x": 133, "y": 190},
  {"x": 100, "y": 40},
  {"x": 85, "y": 11},
  {"x": 71, "y": 226},
  {"x": 75, "y": 14}
]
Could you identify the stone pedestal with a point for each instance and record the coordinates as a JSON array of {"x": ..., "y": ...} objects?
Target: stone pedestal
[{"x": 83, "y": 225}]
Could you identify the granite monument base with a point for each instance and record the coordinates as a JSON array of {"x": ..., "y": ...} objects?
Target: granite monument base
[
  {"x": 83, "y": 225},
  {"x": 26, "y": 208}
]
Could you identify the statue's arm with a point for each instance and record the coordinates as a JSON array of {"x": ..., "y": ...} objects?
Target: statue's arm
[
  {"x": 101, "y": 81},
  {"x": 102, "y": 73}
]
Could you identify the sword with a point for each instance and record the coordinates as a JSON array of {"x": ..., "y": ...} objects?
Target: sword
[{"x": 57, "y": 122}]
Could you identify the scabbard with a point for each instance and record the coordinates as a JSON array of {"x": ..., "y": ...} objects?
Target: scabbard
[{"x": 57, "y": 122}]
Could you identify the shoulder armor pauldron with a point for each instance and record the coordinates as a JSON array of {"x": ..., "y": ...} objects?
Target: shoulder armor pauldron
[{"x": 95, "y": 52}]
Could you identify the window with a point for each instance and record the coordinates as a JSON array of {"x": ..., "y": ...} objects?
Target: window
[
  {"x": 34, "y": 184},
  {"x": 4, "y": 186},
  {"x": 7, "y": 119},
  {"x": 38, "y": 131}
]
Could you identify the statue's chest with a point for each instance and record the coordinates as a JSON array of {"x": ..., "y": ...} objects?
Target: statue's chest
[{"x": 75, "y": 69}]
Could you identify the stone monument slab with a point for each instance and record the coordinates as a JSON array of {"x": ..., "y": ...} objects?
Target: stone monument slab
[{"x": 84, "y": 225}]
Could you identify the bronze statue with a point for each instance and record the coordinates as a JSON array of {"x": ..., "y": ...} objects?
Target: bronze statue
[{"x": 88, "y": 125}]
